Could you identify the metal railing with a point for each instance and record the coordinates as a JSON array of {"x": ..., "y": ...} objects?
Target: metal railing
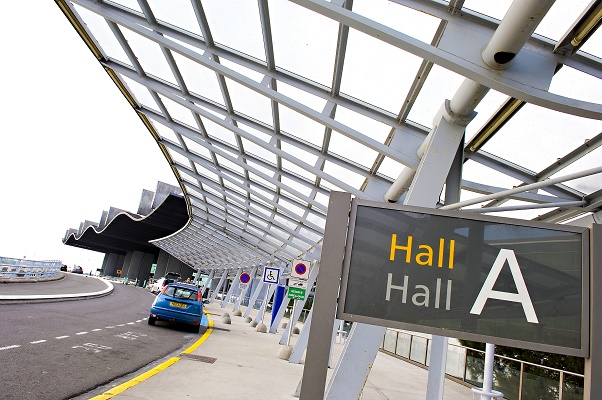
[
  {"x": 20, "y": 269},
  {"x": 518, "y": 380}
]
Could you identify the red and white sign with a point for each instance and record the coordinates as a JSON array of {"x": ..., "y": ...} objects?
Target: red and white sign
[
  {"x": 300, "y": 269},
  {"x": 244, "y": 278}
]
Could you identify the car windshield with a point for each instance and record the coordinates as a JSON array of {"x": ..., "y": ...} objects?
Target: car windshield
[{"x": 181, "y": 293}]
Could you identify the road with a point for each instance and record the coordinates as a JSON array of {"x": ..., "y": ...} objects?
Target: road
[{"x": 60, "y": 350}]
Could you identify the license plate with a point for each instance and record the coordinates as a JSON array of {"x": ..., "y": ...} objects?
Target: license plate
[{"x": 176, "y": 304}]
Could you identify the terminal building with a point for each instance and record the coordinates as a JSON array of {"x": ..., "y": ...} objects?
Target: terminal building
[{"x": 273, "y": 115}]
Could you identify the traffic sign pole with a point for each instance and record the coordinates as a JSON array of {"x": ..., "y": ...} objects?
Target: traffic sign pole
[{"x": 290, "y": 321}]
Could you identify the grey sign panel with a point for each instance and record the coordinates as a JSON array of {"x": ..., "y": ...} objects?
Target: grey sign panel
[{"x": 509, "y": 282}]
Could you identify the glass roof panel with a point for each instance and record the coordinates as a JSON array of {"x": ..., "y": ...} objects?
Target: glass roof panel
[
  {"x": 244, "y": 15},
  {"x": 303, "y": 97},
  {"x": 381, "y": 75},
  {"x": 560, "y": 18},
  {"x": 305, "y": 189},
  {"x": 198, "y": 79},
  {"x": 229, "y": 165},
  {"x": 300, "y": 126},
  {"x": 141, "y": 93},
  {"x": 588, "y": 184},
  {"x": 131, "y": 4},
  {"x": 288, "y": 166},
  {"x": 577, "y": 85},
  {"x": 258, "y": 151},
  {"x": 103, "y": 35},
  {"x": 306, "y": 52},
  {"x": 165, "y": 132},
  {"x": 417, "y": 24},
  {"x": 486, "y": 108},
  {"x": 178, "y": 112},
  {"x": 177, "y": 13},
  {"x": 246, "y": 101},
  {"x": 390, "y": 168},
  {"x": 177, "y": 157},
  {"x": 299, "y": 153},
  {"x": 440, "y": 85},
  {"x": 522, "y": 135},
  {"x": 249, "y": 73},
  {"x": 255, "y": 132},
  {"x": 351, "y": 150},
  {"x": 197, "y": 148},
  {"x": 216, "y": 131},
  {"x": 373, "y": 129},
  {"x": 496, "y": 9},
  {"x": 593, "y": 45},
  {"x": 149, "y": 56},
  {"x": 350, "y": 178}
]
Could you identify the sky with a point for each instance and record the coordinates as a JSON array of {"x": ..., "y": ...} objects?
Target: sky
[{"x": 71, "y": 144}]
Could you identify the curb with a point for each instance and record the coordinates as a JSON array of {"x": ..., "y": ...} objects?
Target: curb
[{"x": 48, "y": 298}]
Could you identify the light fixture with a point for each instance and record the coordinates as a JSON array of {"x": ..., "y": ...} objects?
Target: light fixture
[
  {"x": 587, "y": 25},
  {"x": 494, "y": 124}
]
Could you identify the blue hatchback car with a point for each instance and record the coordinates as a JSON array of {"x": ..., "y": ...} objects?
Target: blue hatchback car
[{"x": 178, "y": 302}]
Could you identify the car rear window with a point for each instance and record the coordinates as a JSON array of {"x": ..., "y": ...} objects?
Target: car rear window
[{"x": 181, "y": 293}]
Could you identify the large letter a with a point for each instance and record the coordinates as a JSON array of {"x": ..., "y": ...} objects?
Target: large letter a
[{"x": 487, "y": 291}]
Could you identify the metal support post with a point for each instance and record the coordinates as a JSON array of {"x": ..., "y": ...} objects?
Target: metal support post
[
  {"x": 232, "y": 287},
  {"x": 253, "y": 299},
  {"x": 301, "y": 344},
  {"x": 219, "y": 286},
  {"x": 269, "y": 292},
  {"x": 327, "y": 289},
  {"x": 593, "y": 365}
]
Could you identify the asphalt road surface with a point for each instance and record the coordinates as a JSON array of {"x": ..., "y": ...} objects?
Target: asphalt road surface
[{"x": 63, "y": 349}]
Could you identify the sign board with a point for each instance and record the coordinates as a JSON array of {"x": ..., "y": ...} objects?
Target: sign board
[
  {"x": 153, "y": 268},
  {"x": 296, "y": 293},
  {"x": 300, "y": 269},
  {"x": 297, "y": 283},
  {"x": 504, "y": 281},
  {"x": 244, "y": 278},
  {"x": 271, "y": 274}
]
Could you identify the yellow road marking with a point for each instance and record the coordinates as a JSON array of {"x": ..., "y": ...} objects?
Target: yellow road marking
[{"x": 141, "y": 378}]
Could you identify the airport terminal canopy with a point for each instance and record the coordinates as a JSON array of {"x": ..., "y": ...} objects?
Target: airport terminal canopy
[{"x": 262, "y": 108}]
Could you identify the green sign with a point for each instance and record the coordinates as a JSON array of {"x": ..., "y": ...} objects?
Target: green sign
[
  {"x": 153, "y": 268},
  {"x": 296, "y": 293}
]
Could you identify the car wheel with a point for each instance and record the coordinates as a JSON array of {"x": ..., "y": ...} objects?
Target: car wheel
[
  {"x": 152, "y": 320},
  {"x": 196, "y": 328}
]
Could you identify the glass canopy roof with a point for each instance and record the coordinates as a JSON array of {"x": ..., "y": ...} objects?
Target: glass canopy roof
[{"x": 263, "y": 107}]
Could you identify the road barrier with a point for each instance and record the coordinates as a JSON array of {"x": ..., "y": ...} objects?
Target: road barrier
[{"x": 16, "y": 269}]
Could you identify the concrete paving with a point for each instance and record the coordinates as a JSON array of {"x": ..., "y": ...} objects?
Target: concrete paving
[{"x": 236, "y": 362}]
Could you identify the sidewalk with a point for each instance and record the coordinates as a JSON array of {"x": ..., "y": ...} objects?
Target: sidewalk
[{"x": 235, "y": 362}]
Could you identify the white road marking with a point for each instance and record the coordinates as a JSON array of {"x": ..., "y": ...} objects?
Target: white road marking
[
  {"x": 10, "y": 347},
  {"x": 62, "y": 337},
  {"x": 97, "y": 329},
  {"x": 121, "y": 325},
  {"x": 131, "y": 323},
  {"x": 81, "y": 333},
  {"x": 109, "y": 327},
  {"x": 38, "y": 341}
]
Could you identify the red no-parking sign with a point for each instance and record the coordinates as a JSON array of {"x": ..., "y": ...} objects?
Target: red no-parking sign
[
  {"x": 245, "y": 278},
  {"x": 300, "y": 269}
]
